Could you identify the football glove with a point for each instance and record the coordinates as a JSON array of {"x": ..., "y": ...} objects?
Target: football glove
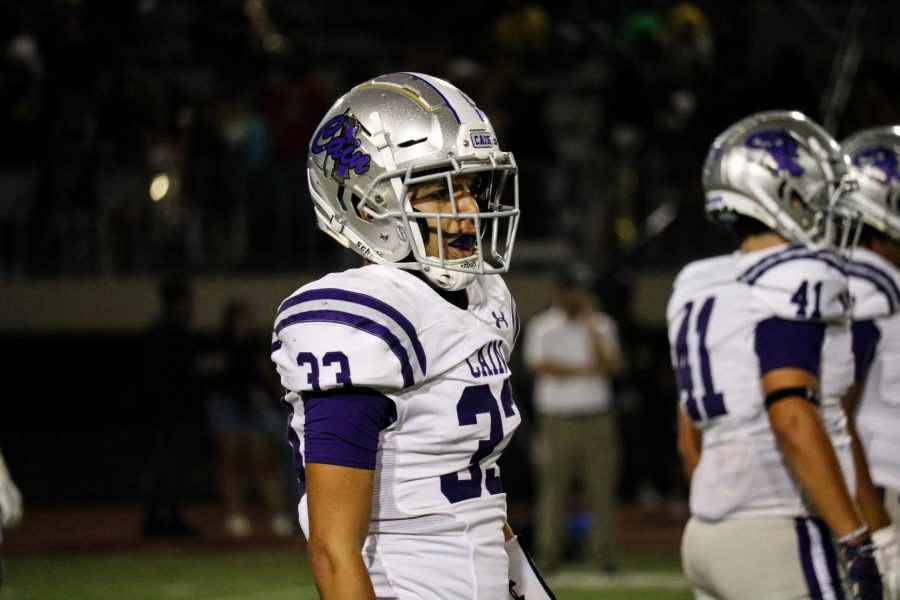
[
  {"x": 862, "y": 570},
  {"x": 887, "y": 555},
  {"x": 525, "y": 583}
]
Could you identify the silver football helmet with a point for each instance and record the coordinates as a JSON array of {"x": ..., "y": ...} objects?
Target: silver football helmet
[
  {"x": 874, "y": 156},
  {"x": 782, "y": 169},
  {"x": 401, "y": 130}
]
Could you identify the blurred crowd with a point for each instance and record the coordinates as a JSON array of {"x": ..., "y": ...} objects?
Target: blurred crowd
[{"x": 146, "y": 134}]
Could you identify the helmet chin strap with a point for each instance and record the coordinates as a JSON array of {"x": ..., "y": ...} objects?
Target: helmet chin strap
[{"x": 450, "y": 281}]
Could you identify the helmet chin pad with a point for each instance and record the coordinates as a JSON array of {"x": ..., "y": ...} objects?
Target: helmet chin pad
[{"x": 449, "y": 281}]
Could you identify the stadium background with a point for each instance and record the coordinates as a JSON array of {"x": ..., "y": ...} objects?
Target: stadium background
[{"x": 149, "y": 138}]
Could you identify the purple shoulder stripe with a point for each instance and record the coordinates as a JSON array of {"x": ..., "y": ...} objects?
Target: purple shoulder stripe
[
  {"x": 880, "y": 279},
  {"x": 792, "y": 252},
  {"x": 357, "y": 322},
  {"x": 367, "y": 301},
  {"x": 763, "y": 265}
]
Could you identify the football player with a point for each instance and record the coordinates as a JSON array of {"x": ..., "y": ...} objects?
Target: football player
[
  {"x": 873, "y": 402},
  {"x": 397, "y": 372},
  {"x": 759, "y": 340}
]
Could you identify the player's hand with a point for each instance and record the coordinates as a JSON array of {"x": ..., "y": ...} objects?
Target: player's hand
[
  {"x": 887, "y": 555},
  {"x": 10, "y": 503},
  {"x": 862, "y": 570}
]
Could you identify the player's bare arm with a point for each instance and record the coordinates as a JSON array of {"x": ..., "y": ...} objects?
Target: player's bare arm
[
  {"x": 867, "y": 498},
  {"x": 340, "y": 506},
  {"x": 808, "y": 450}
]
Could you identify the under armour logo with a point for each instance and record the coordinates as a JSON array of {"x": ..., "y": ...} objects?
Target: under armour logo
[{"x": 500, "y": 319}]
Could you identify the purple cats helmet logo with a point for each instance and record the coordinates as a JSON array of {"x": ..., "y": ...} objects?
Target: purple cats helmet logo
[
  {"x": 882, "y": 159},
  {"x": 337, "y": 139},
  {"x": 780, "y": 146}
]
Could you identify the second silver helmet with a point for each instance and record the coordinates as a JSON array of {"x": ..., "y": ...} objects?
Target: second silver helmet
[{"x": 874, "y": 156}]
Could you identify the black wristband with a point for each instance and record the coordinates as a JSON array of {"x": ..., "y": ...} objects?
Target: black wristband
[{"x": 803, "y": 392}]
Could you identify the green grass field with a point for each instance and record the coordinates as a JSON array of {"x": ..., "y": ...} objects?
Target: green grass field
[{"x": 255, "y": 574}]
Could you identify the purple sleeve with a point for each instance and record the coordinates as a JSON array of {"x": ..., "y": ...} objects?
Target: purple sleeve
[
  {"x": 342, "y": 426},
  {"x": 865, "y": 340},
  {"x": 781, "y": 343}
]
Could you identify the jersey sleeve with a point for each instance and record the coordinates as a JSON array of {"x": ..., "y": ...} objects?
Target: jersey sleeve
[
  {"x": 783, "y": 343},
  {"x": 864, "y": 343},
  {"x": 342, "y": 426},
  {"x": 810, "y": 288}
]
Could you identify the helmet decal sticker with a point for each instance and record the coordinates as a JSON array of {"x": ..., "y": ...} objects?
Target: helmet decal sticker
[
  {"x": 337, "y": 138},
  {"x": 781, "y": 147},
  {"x": 882, "y": 159},
  {"x": 481, "y": 139}
]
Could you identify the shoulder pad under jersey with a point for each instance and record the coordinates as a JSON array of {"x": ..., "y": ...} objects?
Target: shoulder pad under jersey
[
  {"x": 797, "y": 282},
  {"x": 698, "y": 276},
  {"x": 351, "y": 328},
  {"x": 874, "y": 285}
]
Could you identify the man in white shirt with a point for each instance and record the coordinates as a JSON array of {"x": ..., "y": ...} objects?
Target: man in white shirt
[{"x": 572, "y": 348}]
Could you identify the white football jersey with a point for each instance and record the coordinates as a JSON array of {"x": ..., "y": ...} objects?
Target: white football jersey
[
  {"x": 875, "y": 289},
  {"x": 438, "y": 504},
  {"x": 713, "y": 313}
]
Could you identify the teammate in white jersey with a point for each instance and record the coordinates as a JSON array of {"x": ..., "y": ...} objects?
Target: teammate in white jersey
[
  {"x": 759, "y": 343},
  {"x": 873, "y": 401},
  {"x": 397, "y": 372}
]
